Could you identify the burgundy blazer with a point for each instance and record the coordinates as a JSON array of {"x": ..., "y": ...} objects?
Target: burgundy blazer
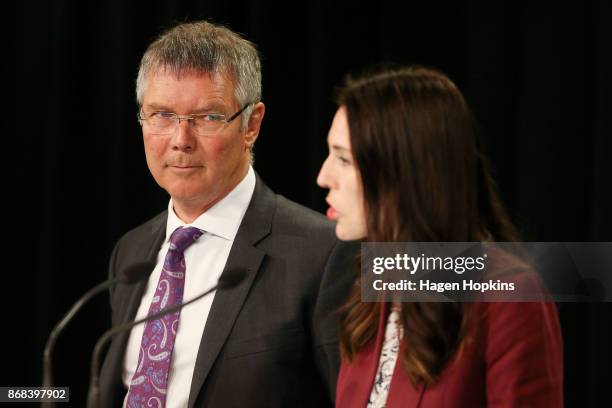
[{"x": 513, "y": 357}]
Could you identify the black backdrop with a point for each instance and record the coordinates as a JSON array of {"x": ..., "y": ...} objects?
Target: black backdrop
[{"x": 535, "y": 73}]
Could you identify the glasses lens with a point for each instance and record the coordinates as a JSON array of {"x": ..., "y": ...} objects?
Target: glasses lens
[
  {"x": 161, "y": 122},
  {"x": 164, "y": 123},
  {"x": 208, "y": 124}
]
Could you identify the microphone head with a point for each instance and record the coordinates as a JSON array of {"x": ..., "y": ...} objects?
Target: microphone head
[
  {"x": 231, "y": 278},
  {"x": 137, "y": 271}
]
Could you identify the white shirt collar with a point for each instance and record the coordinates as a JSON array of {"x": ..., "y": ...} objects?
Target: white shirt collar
[{"x": 223, "y": 218}]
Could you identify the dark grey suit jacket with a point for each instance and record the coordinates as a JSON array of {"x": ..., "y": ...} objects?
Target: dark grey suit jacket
[{"x": 270, "y": 341}]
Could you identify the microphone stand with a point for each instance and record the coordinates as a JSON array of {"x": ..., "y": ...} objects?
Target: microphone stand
[
  {"x": 232, "y": 278},
  {"x": 133, "y": 273},
  {"x": 59, "y": 327}
]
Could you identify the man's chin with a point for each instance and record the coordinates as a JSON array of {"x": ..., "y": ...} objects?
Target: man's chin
[{"x": 188, "y": 197}]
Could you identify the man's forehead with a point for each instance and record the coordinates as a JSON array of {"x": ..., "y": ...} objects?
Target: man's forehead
[
  {"x": 218, "y": 96},
  {"x": 219, "y": 78}
]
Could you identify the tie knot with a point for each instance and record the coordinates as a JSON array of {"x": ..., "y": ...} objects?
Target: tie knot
[{"x": 183, "y": 237}]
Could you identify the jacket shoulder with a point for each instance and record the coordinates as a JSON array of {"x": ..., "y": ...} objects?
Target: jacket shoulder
[
  {"x": 144, "y": 230},
  {"x": 139, "y": 244},
  {"x": 301, "y": 220}
]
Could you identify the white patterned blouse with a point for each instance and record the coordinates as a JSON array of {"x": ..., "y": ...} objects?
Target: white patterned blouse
[{"x": 388, "y": 357}]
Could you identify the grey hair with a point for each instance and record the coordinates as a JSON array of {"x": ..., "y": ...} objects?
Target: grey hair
[{"x": 207, "y": 48}]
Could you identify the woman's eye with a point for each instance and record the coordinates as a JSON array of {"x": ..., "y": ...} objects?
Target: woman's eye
[{"x": 344, "y": 161}]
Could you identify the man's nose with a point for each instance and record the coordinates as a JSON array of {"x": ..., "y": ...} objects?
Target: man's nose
[{"x": 183, "y": 138}]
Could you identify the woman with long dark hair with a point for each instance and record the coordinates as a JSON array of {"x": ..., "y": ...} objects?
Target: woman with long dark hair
[{"x": 405, "y": 165}]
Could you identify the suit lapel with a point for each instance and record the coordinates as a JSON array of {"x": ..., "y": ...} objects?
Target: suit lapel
[
  {"x": 132, "y": 294},
  {"x": 128, "y": 299},
  {"x": 226, "y": 306}
]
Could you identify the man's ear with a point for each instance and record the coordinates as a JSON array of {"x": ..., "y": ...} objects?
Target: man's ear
[{"x": 252, "y": 130}]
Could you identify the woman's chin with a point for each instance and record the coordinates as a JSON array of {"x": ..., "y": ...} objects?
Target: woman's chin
[{"x": 348, "y": 234}]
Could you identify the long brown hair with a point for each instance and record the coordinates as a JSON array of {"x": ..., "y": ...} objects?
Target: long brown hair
[{"x": 424, "y": 179}]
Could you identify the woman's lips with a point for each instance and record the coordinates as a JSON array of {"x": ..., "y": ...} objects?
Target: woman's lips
[{"x": 332, "y": 214}]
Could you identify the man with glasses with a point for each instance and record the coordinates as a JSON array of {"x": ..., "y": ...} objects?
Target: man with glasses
[{"x": 268, "y": 341}]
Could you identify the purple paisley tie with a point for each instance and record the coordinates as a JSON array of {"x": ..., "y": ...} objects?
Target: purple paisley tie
[{"x": 150, "y": 380}]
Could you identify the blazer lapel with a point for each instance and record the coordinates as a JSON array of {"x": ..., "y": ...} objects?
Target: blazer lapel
[
  {"x": 116, "y": 351},
  {"x": 128, "y": 299},
  {"x": 226, "y": 306},
  {"x": 131, "y": 295}
]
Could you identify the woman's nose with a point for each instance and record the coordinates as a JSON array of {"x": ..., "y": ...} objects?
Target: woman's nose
[{"x": 323, "y": 179}]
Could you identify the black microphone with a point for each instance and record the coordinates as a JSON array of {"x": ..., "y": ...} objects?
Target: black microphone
[
  {"x": 132, "y": 274},
  {"x": 227, "y": 280}
]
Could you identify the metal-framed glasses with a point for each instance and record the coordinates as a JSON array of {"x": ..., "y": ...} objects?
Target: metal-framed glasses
[{"x": 204, "y": 124}]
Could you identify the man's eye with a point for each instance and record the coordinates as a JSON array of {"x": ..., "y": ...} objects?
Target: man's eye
[
  {"x": 162, "y": 115},
  {"x": 213, "y": 117}
]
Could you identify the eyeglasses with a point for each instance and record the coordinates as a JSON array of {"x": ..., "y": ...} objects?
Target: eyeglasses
[{"x": 204, "y": 124}]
